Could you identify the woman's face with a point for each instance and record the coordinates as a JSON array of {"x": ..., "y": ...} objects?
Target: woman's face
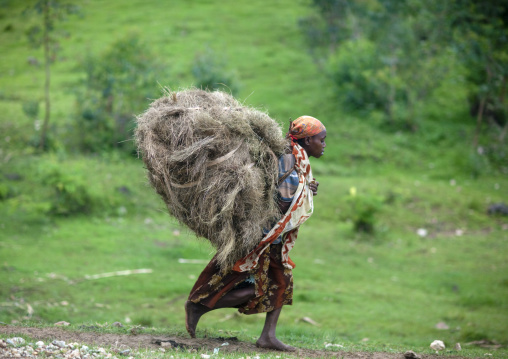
[{"x": 315, "y": 145}]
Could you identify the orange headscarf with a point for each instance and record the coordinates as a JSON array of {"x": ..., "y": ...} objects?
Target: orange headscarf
[{"x": 305, "y": 126}]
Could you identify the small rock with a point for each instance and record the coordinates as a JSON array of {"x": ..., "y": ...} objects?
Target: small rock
[
  {"x": 442, "y": 326},
  {"x": 205, "y": 356},
  {"x": 136, "y": 330},
  {"x": 498, "y": 209},
  {"x": 411, "y": 355},
  {"x": 13, "y": 176},
  {"x": 124, "y": 352},
  {"x": 62, "y": 323},
  {"x": 437, "y": 345},
  {"x": 59, "y": 343},
  {"x": 124, "y": 189},
  {"x": 40, "y": 343},
  {"x": 15, "y": 341},
  {"x": 310, "y": 321},
  {"x": 117, "y": 324},
  {"x": 32, "y": 61},
  {"x": 457, "y": 346},
  {"x": 422, "y": 232}
]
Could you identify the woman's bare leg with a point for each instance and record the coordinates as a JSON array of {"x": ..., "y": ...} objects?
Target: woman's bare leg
[
  {"x": 194, "y": 311},
  {"x": 267, "y": 338}
]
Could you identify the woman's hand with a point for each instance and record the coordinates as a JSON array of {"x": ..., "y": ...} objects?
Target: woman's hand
[{"x": 313, "y": 186}]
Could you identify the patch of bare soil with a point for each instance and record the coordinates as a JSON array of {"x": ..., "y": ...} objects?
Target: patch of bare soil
[{"x": 153, "y": 342}]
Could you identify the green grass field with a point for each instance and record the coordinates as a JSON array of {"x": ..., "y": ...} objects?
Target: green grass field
[{"x": 371, "y": 292}]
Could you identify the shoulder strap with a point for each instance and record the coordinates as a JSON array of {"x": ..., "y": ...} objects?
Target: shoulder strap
[{"x": 285, "y": 175}]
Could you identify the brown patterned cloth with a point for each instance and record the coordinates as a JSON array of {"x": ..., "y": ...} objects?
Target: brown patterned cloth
[{"x": 273, "y": 283}]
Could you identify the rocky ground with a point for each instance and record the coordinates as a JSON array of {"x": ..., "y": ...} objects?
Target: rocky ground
[{"x": 54, "y": 342}]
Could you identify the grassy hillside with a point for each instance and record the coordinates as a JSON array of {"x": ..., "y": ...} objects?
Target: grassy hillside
[{"x": 366, "y": 291}]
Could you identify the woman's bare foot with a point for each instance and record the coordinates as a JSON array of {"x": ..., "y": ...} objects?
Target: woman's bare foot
[
  {"x": 193, "y": 312},
  {"x": 274, "y": 343}
]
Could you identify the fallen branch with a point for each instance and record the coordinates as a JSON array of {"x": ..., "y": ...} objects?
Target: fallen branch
[
  {"x": 192, "y": 261},
  {"x": 118, "y": 273}
]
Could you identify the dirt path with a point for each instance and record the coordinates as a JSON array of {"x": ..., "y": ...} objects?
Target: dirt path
[{"x": 147, "y": 341}]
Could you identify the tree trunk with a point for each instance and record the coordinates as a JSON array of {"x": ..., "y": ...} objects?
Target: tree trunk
[
  {"x": 479, "y": 119},
  {"x": 47, "y": 60},
  {"x": 391, "y": 94},
  {"x": 501, "y": 100}
]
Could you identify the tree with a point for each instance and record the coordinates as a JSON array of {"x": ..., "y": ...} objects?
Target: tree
[
  {"x": 392, "y": 55},
  {"x": 383, "y": 55},
  {"x": 45, "y": 35},
  {"x": 119, "y": 83},
  {"x": 482, "y": 38}
]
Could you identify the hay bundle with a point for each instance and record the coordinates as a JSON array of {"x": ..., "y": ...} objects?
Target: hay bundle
[{"x": 214, "y": 163}]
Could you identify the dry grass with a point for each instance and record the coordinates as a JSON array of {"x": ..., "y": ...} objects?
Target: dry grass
[{"x": 214, "y": 163}]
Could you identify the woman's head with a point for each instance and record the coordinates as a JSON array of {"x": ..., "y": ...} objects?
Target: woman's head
[{"x": 309, "y": 133}]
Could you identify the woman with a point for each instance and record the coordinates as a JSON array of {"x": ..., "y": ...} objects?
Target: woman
[{"x": 262, "y": 281}]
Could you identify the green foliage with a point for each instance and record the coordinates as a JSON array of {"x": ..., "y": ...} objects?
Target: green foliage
[
  {"x": 362, "y": 210},
  {"x": 354, "y": 289},
  {"x": 31, "y": 108},
  {"x": 43, "y": 34},
  {"x": 359, "y": 75},
  {"x": 119, "y": 83},
  {"x": 5, "y": 191},
  {"x": 211, "y": 72},
  {"x": 70, "y": 193},
  {"x": 49, "y": 12},
  {"x": 50, "y": 187},
  {"x": 388, "y": 58}
]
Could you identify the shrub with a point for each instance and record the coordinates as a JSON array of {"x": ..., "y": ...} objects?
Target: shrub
[
  {"x": 359, "y": 75},
  {"x": 362, "y": 211},
  {"x": 117, "y": 86},
  {"x": 5, "y": 191},
  {"x": 70, "y": 193},
  {"x": 210, "y": 72}
]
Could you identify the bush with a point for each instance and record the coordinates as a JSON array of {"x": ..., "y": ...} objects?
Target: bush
[
  {"x": 118, "y": 85},
  {"x": 358, "y": 75},
  {"x": 5, "y": 191},
  {"x": 210, "y": 72},
  {"x": 362, "y": 211},
  {"x": 70, "y": 193}
]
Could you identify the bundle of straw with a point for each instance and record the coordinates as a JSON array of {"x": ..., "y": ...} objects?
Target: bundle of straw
[{"x": 214, "y": 163}]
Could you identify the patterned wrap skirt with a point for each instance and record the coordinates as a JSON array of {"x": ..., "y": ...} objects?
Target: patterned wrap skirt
[{"x": 273, "y": 283}]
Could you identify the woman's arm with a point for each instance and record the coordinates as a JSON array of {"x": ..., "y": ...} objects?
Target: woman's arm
[
  {"x": 313, "y": 185},
  {"x": 284, "y": 206}
]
